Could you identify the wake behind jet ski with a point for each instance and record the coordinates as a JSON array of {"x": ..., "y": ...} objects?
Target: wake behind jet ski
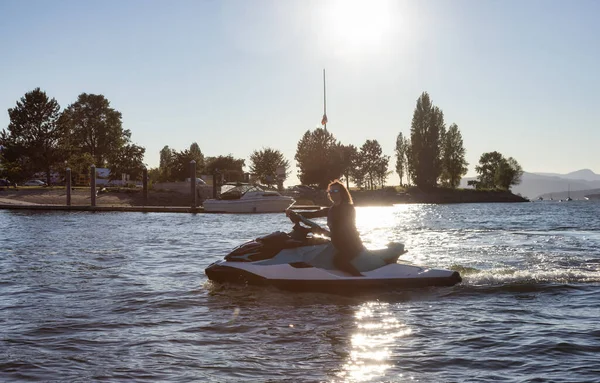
[{"x": 302, "y": 261}]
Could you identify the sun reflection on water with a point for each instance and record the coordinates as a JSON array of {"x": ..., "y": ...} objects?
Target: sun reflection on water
[
  {"x": 378, "y": 331},
  {"x": 375, "y": 225}
]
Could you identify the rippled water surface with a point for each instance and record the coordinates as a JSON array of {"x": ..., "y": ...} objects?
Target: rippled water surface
[{"x": 123, "y": 296}]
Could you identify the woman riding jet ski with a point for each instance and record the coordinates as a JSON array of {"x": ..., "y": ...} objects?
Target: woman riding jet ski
[{"x": 299, "y": 261}]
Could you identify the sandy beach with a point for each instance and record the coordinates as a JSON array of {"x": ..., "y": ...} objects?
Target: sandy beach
[{"x": 82, "y": 197}]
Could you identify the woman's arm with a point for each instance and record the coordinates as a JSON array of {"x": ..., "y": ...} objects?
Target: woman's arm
[{"x": 315, "y": 214}]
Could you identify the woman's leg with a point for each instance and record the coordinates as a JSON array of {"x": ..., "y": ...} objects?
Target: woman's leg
[{"x": 344, "y": 263}]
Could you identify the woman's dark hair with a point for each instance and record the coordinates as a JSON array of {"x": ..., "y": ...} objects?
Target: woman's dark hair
[{"x": 344, "y": 193}]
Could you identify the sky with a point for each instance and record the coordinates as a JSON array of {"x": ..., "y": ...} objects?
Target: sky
[{"x": 517, "y": 77}]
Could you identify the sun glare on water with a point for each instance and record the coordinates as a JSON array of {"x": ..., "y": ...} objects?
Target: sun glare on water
[{"x": 378, "y": 331}]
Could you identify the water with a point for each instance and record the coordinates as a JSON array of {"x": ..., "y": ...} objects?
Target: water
[{"x": 123, "y": 297}]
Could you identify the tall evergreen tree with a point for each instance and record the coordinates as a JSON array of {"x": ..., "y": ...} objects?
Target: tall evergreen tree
[
  {"x": 196, "y": 155},
  {"x": 400, "y": 152},
  {"x": 31, "y": 139},
  {"x": 408, "y": 167},
  {"x": 454, "y": 165},
  {"x": 427, "y": 128},
  {"x": 165, "y": 167}
]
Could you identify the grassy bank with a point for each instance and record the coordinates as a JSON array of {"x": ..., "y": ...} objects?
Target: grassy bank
[{"x": 391, "y": 196}]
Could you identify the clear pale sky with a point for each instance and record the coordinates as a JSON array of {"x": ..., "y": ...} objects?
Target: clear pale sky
[{"x": 518, "y": 77}]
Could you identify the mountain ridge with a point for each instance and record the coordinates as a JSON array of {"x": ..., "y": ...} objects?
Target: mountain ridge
[{"x": 576, "y": 184}]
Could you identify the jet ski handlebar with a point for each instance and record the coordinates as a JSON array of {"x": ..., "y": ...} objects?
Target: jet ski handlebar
[{"x": 315, "y": 227}]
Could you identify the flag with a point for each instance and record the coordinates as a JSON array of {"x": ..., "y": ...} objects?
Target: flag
[{"x": 324, "y": 120}]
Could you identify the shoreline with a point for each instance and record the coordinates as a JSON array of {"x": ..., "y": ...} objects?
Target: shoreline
[{"x": 170, "y": 201}]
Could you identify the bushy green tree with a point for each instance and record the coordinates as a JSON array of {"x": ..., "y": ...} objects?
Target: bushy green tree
[
  {"x": 180, "y": 163},
  {"x": 79, "y": 163},
  {"x": 129, "y": 160},
  {"x": 230, "y": 168},
  {"x": 94, "y": 127},
  {"x": 374, "y": 163},
  {"x": 154, "y": 175},
  {"x": 487, "y": 169},
  {"x": 316, "y": 158},
  {"x": 454, "y": 165},
  {"x": 509, "y": 174},
  {"x": 264, "y": 164},
  {"x": 344, "y": 160},
  {"x": 495, "y": 171},
  {"x": 358, "y": 174}
]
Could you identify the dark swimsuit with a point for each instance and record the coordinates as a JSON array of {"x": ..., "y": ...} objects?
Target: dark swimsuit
[{"x": 341, "y": 220}]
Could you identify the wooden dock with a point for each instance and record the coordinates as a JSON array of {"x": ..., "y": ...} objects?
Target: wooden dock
[{"x": 19, "y": 205}]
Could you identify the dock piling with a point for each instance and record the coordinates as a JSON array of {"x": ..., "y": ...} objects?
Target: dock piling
[{"x": 93, "y": 184}]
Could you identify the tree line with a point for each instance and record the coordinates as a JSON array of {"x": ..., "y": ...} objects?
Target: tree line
[
  {"x": 40, "y": 137},
  {"x": 431, "y": 156}
]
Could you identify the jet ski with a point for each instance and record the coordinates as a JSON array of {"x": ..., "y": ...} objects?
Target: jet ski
[{"x": 303, "y": 261}]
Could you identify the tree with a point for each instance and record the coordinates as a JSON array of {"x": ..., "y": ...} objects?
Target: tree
[
  {"x": 231, "y": 168},
  {"x": 373, "y": 163},
  {"x": 495, "y": 171},
  {"x": 264, "y": 164},
  {"x": 509, "y": 173},
  {"x": 381, "y": 170},
  {"x": 427, "y": 128},
  {"x": 197, "y": 156},
  {"x": 165, "y": 167},
  {"x": 154, "y": 175},
  {"x": 454, "y": 165},
  {"x": 344, "y": 159},
  {"x": 409, "y": 168},
  {"x": 94, "y": 127},
  {"x": 31, "y": 139},
  {"x": 358, "y": 172},
  {"x": 315, "y": 157},
  {"x": 128, "y": 160},
  {"x": 80, "y": 163},
  {"x": 400, "y": 152},
  {"x": 487, "y": 168},
  {"x": 178, "y": 168}
]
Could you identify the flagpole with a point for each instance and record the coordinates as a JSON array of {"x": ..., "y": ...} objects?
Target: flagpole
[{"x": 324, "y": 99}]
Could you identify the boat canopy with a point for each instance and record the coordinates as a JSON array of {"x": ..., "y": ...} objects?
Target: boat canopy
[{"x": 237, "y": 190}]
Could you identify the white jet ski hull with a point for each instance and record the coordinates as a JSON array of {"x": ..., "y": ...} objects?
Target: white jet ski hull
[{"x": 303, "y": 277}]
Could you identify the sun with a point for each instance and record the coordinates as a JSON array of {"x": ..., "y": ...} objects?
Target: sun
[{"x": 359, "y": 25}]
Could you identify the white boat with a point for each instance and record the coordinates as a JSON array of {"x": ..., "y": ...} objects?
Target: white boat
[{"x": 246, "y": 198}]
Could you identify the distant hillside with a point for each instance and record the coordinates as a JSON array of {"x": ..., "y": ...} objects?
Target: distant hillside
[
  {"x": 533, "y": 185},
  {"x": 583, "y": 174}
]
